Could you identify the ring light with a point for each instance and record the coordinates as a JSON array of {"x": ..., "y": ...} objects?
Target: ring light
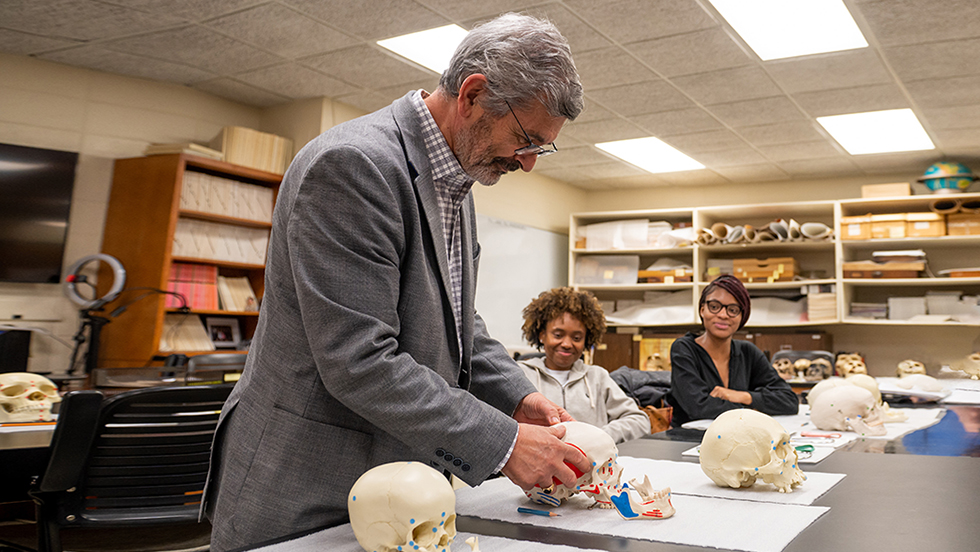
[{"x": 118, "y": 281}]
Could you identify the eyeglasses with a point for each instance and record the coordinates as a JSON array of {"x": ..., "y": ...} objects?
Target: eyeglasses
[
  {"x": 714, "y": 307},
  {"x": 540, "y": 151}
]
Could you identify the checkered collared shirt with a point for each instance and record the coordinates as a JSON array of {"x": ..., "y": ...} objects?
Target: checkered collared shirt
[{"x": 452, "y": 184}]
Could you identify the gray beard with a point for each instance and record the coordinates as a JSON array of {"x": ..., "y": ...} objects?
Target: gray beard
[{"x": 475, "y": 158}]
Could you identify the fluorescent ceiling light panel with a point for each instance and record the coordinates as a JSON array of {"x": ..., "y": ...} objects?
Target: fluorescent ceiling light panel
[
  {"x": 651, "y": 155},
  {"x": 778, "y": 29},
  {"x": 878, "y": 131},
  {"x": 431, "y": 49}
]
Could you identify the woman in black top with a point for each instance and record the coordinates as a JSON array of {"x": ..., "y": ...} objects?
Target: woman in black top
[{"x": 712, "y": 373}]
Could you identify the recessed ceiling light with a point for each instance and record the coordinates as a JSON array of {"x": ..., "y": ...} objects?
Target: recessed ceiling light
[
  {"x": 878, "y": 131},
  {"x": 432, "y": 48},
  {"x": 777, "y": 29},
  {"x": 651, "y": 155}
]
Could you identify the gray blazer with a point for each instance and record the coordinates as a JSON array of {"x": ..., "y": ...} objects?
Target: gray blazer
[{"x": 355, "y": 360}]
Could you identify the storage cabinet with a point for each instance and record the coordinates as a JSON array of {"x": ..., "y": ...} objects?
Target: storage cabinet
[{"x": 144, "y": 215}]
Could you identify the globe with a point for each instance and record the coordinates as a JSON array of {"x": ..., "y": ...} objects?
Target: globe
[{"x": 948, "y": 177}]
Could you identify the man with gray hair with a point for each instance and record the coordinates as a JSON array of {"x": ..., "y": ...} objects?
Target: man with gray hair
[{"x": 368, "y": 347}]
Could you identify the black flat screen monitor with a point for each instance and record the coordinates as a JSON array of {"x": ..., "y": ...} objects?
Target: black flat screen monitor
[{"x": 35, "y": 200}]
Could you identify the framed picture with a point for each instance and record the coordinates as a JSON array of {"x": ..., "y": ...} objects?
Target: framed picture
[{"x": 224, "y": 332}]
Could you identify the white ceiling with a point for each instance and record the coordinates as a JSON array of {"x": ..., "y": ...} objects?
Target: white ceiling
[{"x": 668, "y": 68}]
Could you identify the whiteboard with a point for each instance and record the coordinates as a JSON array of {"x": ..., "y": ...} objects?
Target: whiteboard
[{"x": 517, "y": 263}]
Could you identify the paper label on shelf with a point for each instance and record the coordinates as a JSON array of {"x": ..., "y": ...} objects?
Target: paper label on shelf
[
  {"x": 853, "y": 229},
  {"x": 668, "y": 279},
  {"x": 608, "y": 274}
]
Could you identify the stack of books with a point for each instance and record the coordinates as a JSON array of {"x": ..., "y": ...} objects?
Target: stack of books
[
  {"x": 236, "y": 294},
  {"x": 205, "y": 193},
  {"x": 821, "y": 302},
  {"x": 198, "y": 284},
  {"x": 251, "y": 148},
  {"x": 184, "y": 332},
  {"x": 214, "y": 241},
  {"x": 190, "y": 148},
  {"x": 869, "y": 310}
]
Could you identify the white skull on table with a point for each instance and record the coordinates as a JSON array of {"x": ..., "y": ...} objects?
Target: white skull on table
[
  {"x": 26, "y": 397},
  {"x": 908, "y": 367}
]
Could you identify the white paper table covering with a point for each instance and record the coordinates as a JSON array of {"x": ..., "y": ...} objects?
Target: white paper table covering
[
  {"x": 820, "y": 452},
  {"x": 734, "y": 524},
  {"x": 341, "y": 539},
  {"x": 918, "y": 418},
  {"x": 687, "y": 478}
]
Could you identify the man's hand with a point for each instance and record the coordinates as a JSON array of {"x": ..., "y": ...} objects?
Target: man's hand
[
  {"x": 538, "y": 410},
  {"x": 540, "y": 455},
  {"x": 731, "y": 395}
]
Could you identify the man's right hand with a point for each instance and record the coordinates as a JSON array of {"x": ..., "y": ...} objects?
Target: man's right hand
[{"x": 540, "y": 455}]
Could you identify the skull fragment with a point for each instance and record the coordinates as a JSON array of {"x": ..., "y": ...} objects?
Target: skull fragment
[
  {"x": 909, "y": 367},
  {"x": 26, "y": 397},
  {"x": 742, "y": 445},
  {"x": 403, "y": 506}
]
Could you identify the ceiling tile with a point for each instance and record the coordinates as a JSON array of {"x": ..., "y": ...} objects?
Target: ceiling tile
[
  {"x": 953, "y": 58},
  {"x": 701, "y": 177},
  {"x": 374, "y": 20},
  {"x": 781, "y": 133},
  {"x": 122, "y": 63},
  {"x": 800, "y": 150},
  {"x": 820, "y": 168},
  {"x": 602, "y": 131},
  {"x": 753, "y": 173},
  {"x": 730, "y": 158},
  {"x": 609, "y": 67},
  {"x": 292, "y": 36},
  {"x": 240, "y": 92},
  {"x": 572, "y": 157},
  {"x": 914, "y": 162},
  {"x": 366, "y": 66},
  {"x": 14, "y": 42},
  {"x": 680, "y": 121},
  {"x": 712, "y": 140},
  {"x": 365, "y": 100},
  {"x": 729, "y": 85},
  {"x": 593, "y": 112},
  {"x": 963, "y": 116},
  {"x": 947, "y": 139},
  {"x": 195, "y": 46},
  {"x": 296, "y": 81},
  {"x": 636, "y": 20},
  {"x": 945, "y": 92},
  {"x": 911, "y": 22},
  {"x": 852, "y": 100},
  {"x": 698, "y": 52},
  {"x": 757, "y": 112},
  {"x": 460, "y": 11},
  {"x": 397, "y": 91},
  {"x": 837, "y": 70},
  {"x": 629, "y": 182},
  {"x": 581, "y": 37},
  {"x": 79, "y": 19},
  {"x": 642, "y": 97},
  {"x": 192, "y": 10}
]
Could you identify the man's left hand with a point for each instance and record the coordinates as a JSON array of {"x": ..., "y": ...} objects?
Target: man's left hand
[{"x": 537, "y": 409}]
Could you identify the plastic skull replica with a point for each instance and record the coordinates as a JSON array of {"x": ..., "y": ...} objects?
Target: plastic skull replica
[
  {"x": 742, "y": 445},
  {"x": 600, "y": 483},
  {"x": 403, "y": 506},
  {"x": 847, "y": 408},
  {"x": 909, "y": 367},
  {"x": 867, "y": 382},
  {"x": 819, "y": 369},
  {"x": 850, "y": 363},
  {"x": 26, "y": 397},
  {"x": 971, "y": 365},
  {"x": 784, "y": 367},
  {"x": 921, "y": 382}
]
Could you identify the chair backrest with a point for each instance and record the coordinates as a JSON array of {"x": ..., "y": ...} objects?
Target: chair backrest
[{"x": 147, "y": 459}]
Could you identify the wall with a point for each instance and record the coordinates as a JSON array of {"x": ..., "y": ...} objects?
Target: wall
[{"x": 102, "y": 117}]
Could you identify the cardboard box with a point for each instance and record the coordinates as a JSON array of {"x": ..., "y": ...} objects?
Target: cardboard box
[
  {"x": 925, "y": 225},
  {"x": 891, "y": 225},
  {"x": 855, "y": 228},
  {"x": 897, "y": 189},
  {"x": 963, "y": 224}
]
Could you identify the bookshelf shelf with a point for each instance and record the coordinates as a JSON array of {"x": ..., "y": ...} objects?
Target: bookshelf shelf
[{"x": 147, "y": 229}]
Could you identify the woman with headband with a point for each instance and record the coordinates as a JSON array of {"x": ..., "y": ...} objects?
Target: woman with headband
[{"x": 712, "y": 373}]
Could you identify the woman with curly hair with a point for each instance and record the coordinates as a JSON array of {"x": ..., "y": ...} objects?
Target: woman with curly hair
[
  {"x": 564, "y": 322},
  {"x": 711, "y": 372}
]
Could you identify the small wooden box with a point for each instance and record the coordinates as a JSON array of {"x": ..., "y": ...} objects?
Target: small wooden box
[
  {"x": 665, "y": 276},
  {"x": 963, "y": 224},
  {"x": 855, "y": 228},
  {"x": 871, "y": 269},
  {"x": 925, "y": 225},
  {"x": 773, "y": 269},
  {"x": 897, "y": 189},
  {"x": 891, "y": 225}
]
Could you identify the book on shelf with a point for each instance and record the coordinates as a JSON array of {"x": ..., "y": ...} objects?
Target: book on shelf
[
  {"x": 236, "y": 294},
  {"x": 208, "y": 193},
  {"x": 189, "y": 148},
  {"x": 184, "y": 332},
  {"x": 255, "y": 149},
  {"x": 197, "y": 283}
]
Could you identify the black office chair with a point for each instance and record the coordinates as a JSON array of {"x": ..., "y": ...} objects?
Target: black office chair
[{"x": 139, "y": 458}]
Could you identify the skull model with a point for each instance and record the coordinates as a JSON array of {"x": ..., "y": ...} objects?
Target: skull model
[
  {"x": 652, "y": 504},
  {"x": 971, "y": 365},
  {"x": 742, "y": 445},
  {"x": 403, "y": 506},
  {"x": 600, "y": 483},
  {"x": 819, "y": 369},
  {"x": 847, "y": 408},
  {"x": 909, "y": 367},
  {"x": 921, "y": 382},
  {"x": 823, "y": 386},
  {"x": 784, "y": 367},
  {"x": 26, "y": 397},
  {"x": 850, "y": 363},
  {"x": 867, "y": 382},
  {"x": 801, "y": 365}
]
